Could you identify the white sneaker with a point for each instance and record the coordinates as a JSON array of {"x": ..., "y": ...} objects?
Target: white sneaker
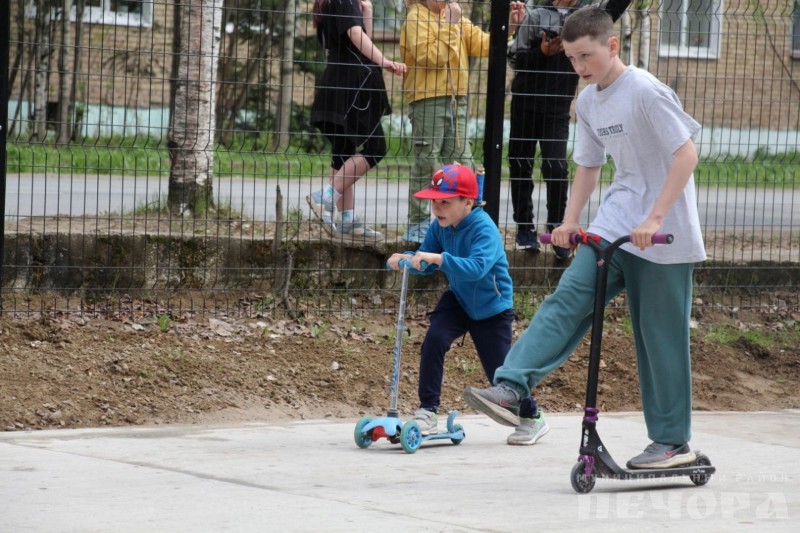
[
  {"x": 528, "y": 431},
  {"x": 357, "y": 228},
  {"x": 428, "y": 421},
  {"x": 323, "y": 210}
]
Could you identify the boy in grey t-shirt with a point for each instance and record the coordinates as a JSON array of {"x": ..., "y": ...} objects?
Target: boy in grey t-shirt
[{"x": 629, "y": 114}]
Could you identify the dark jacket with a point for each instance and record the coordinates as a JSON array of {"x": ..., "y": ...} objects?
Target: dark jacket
[{"x": 547, "y": 83}]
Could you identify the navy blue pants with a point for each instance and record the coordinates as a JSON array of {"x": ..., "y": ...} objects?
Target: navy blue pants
[{"x": 449, "y": 322}]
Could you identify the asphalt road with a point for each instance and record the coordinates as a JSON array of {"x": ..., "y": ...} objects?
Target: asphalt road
[{"x": 381, "y": 201}]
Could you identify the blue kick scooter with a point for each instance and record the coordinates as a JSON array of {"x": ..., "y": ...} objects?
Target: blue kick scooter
[
  {"x": 594, "y": 460},
  {"x": 391, "y": 427}
]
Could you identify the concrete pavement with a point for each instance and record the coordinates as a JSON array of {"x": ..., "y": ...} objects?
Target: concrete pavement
[{"x": 310, "y": 476}]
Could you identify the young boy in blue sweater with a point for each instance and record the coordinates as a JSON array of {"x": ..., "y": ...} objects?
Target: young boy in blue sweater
[{"x": 464, "y": 243}]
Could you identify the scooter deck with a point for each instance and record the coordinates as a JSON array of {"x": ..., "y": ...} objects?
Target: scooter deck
[
  {"x": 596, "y": 463},
  {"x": 408, "y": 435},
  {"x": 653, "y": 473}
]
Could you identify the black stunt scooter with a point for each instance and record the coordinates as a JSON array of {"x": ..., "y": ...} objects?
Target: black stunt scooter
[{"x": 594, "y": 460}]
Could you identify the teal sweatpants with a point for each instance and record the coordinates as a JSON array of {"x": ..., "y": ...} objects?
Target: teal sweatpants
[{"x": 660, "y": 301}]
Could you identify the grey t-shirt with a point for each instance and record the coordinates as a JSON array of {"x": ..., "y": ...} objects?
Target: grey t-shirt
[{"x": 640, "y": 122}]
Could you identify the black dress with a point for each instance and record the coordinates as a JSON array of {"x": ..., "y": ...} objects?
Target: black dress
[{"x": 351, "y": 93}]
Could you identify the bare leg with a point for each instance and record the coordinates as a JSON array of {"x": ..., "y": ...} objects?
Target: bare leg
[{"x": 344, "y": 179}]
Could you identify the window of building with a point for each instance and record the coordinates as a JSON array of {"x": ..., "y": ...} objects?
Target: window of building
[
  {"x": 690, "y": 28},
  {"x": 114, "y": 12}
]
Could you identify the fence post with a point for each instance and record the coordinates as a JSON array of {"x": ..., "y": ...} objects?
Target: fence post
[
  {"x": 5, "y": 50},
  {"x": 495, "y": 100}
]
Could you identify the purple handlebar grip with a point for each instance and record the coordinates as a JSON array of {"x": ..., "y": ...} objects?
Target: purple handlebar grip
[
  {"x": 547, "y": 238},
  {"x": 575, "y": 238},
  {"x": 663, "y": 238}
]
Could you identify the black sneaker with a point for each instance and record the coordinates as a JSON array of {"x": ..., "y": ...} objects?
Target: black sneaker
[
  {"x": 561, "y": 253},
  {"x": 527, "y": 239},
  {"x": 658, "y": 455}
]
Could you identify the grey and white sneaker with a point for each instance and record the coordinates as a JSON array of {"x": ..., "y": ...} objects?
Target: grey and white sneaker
[
  {"x": 658, "y": 455},
  {"x": 529, "y": 431},
  {"x": 428, "y": 421},
  {"x": 357, "y": 229},
  {"x": 323, "y": 209},
  {"x": 500, "y": 403}
]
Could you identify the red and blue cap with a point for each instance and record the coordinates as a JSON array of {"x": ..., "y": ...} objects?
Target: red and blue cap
[{"x": 451, "y": 181}]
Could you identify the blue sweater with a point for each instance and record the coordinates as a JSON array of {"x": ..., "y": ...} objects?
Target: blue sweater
[{"x": 474, "y": 261}]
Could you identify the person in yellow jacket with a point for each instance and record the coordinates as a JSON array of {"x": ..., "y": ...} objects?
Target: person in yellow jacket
[{"x": 436, "y": 42}]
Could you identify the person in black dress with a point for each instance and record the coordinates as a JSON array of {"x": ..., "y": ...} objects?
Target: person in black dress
[{"x": 349, "y": 101}]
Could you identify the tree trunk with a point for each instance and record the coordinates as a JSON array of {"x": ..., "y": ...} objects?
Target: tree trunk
[
  {"x": 644, "y": 37},
  {"x": 22, "y": 36},
  {"x": 80, "y": 7},
  {"x": 42, "y": 54},
  {"x": 238, "y": 93},
  {"x": 282, "y": 124},
  {"x": 64, "y": 97},
  {"x": 227, "y": 68},
  {"x": 19, "y": 51},
  {"x": 627, "y": 33},
  {"x": 192, "y": 125},
  {"x": 177, "y": 17}
]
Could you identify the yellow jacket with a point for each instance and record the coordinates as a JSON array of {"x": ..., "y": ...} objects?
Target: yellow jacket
[{"x": 432, "y": 48}]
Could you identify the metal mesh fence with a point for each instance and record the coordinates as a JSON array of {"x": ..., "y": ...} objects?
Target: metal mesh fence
[{"x": 160, "y": 154}]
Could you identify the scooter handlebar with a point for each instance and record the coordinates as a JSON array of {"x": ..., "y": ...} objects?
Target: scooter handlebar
[
  {"x": 663, "y": 238},
  {"x": 405, "y": 263},
  {"x": 575, "y": 238}
]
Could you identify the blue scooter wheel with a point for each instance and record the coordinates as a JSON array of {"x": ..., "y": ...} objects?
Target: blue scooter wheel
[
  {"x": 456, "y": 428},
  {"x": 363, "y": 440},
  {"x": 410, "y": 437}
]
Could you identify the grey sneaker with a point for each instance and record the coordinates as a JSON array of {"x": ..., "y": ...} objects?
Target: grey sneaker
[
  {"x": 529, "y": 431},
  {"x": 500, "y": 403},
  {"x": 658, "y": 455},
  {"x": 323, "y": 209},
  {"x": 428, "y": 421},
  {"x": 357, "y": 228}
]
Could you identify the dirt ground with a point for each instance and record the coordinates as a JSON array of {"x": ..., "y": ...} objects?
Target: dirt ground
[{"x": 69, "y": 371}]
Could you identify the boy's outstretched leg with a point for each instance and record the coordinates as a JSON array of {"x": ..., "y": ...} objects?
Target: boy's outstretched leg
[{"x": 500, "y": 403}]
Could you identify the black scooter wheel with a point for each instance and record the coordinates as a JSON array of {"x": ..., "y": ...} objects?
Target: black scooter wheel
[
  {"x": 580, "y": 481},
  {"x": 701, "y": 479}
]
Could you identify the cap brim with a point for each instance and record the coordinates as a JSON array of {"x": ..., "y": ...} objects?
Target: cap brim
[{"x": 430, "y": 194}]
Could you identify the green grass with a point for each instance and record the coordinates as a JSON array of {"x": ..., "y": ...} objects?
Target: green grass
[
  {"x": 164, "y": 323},
  {"x": 252, "y": 158},
  {"x": 732, "y": 335},
  {"x": 176, "y": 355},
  {"x": 158, "y": 207}
]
